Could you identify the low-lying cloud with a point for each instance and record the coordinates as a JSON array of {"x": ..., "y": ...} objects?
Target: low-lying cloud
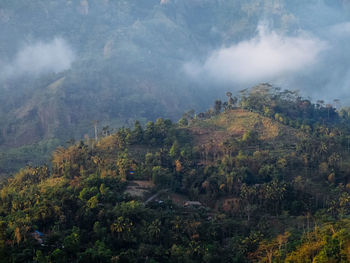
[
  {"x": 39, "y": 58},
  {"x": 340, "y": 30},
  {"x": 267, "y": 57}
]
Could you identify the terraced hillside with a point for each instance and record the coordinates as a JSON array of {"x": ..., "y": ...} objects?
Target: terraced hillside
[{"x": 234, "y": 124}]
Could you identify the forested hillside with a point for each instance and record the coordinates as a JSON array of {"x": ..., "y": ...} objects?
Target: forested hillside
[
  {"x": 263, "y": 177},
  {"x": 65, "y": 64}
]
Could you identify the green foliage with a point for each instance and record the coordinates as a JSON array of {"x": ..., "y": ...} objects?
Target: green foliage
[
  {"x": 257, "y": 200},
  {"x": 161, "y": 176}
]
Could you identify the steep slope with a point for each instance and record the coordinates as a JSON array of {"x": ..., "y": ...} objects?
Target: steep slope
[
  {"x": 125, "y": 60},
  {"x": 128, "y": 61}
]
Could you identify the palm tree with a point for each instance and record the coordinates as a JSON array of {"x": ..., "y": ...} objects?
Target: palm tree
[
  {"x": 118, "y": 226},
  {"x": 322, "y": 149},
  {"x": 154, "y": 229}
]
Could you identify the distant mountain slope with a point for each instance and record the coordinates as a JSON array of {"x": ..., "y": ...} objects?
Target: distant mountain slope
[
  {"x": 129, "y": 61},
  {"x": 124, "y": 60}
]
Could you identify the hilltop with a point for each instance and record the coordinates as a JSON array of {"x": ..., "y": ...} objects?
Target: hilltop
[
  {"x": 265, "y": 184},
  {"x": 234, "y": 124}
]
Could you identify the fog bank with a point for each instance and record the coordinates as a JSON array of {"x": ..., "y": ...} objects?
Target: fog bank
[{"x": 39, "y": 58}]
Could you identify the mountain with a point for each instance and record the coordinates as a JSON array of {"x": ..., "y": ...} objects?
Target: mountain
[
  {"x": 66, "y": 64},
  {"x": 259, "y": 179},
  {"x": 112, "y": 149}
]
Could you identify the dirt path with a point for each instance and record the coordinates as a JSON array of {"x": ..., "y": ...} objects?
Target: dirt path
[{"x": 156, "y": 195}]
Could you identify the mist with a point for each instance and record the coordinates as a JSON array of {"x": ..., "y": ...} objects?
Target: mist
[
  {"x": 311, "y": 55},
  {"x": 39, "y": 58},
  {"x": 267, "y": 57}
]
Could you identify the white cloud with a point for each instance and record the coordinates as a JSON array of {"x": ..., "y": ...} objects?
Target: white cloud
[
  {"x": 340, "y": 30},
  {"x": 39, "y": 58},
  {"x": 266, "y": 57}
]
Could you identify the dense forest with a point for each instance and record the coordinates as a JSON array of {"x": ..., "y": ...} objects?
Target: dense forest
[{"x": 260, "y": 177}]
